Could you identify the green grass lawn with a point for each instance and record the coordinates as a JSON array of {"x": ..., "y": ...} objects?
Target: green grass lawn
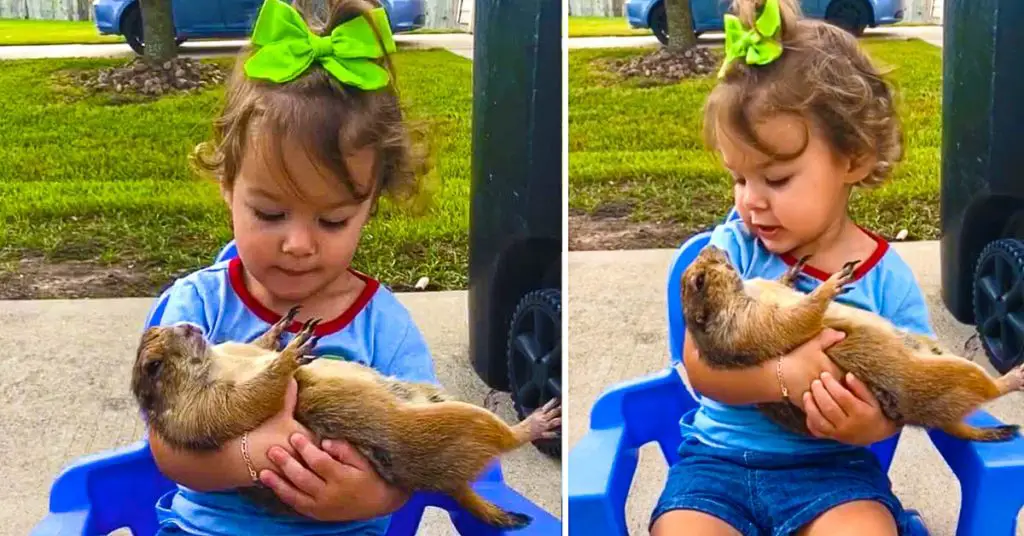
[
  {"x": 641, "y": 147},
  {"x": 602, "y": 27},
  {"x": 52, "y": 32},
  {"x": 89, "y": 179}
]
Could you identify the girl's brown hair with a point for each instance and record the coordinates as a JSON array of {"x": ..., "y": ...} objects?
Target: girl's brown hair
[
  {"x": 329, "y": 119},
  {"x": 823, "y": 76}
]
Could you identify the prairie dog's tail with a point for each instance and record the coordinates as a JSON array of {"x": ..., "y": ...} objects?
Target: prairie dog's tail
[
  {"x": 488, "y": 512},
  {"x": 992, "y": 434}
]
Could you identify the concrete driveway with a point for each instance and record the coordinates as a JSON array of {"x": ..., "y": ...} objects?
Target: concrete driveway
[
  {"x": 616, "y": 302},
  {"x": 461, "y": 44},
  {"x": 64, "y": 377}
]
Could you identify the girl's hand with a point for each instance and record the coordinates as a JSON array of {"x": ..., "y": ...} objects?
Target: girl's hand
[
  {"x": 276, "y": 431},
  {"x": 807, "y": 363},
  {"x": 849, "y": 416},
  {"x": 339, "y": 484}
]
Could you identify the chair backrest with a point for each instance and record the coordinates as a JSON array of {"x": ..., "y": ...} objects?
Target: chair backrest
[
  {"x": 676, "y": 323},
  {"x": 229, "y": 251},
  {"x": 883, "y": 450},
  {"x": 682, "y": 259}
]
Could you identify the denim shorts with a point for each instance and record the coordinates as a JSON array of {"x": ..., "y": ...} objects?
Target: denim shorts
[{"x": 772, "y": 494}]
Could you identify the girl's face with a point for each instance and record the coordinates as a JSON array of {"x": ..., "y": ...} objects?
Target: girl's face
[
  {"x": 791, "y": 204},
  {"x": 297, "y": 244}
]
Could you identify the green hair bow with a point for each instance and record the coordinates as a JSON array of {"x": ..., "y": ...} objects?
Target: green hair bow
[
  {"x": 287, "y": 47},
  {"x": 757, "y": 45}
]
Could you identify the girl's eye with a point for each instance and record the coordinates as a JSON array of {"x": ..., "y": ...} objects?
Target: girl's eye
[
  {"x": 778, "y": 183},
  {"x": 736, "y": 179},
  {"x": 330, "y": 224},
  {"x": 269, "y": 216}
]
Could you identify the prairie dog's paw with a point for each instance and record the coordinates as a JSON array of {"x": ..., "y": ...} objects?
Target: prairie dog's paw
[
  {"x": 271, "y": 339},
  {"x": 846, "y": 274},
  {"x": 544, "y": 421},
  {"x": 789, "y": 278},
  {"x": 836, "y": 283},
  {"x": 300, "y": 347}
]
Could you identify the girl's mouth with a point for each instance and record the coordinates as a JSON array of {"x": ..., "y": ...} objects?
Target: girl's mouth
[
  {"x": 767, "y": 231},
  {"x": 294, "y": 273}
]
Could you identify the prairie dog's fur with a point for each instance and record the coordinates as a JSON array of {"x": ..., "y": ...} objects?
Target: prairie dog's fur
[
  {"x": 197, "y": 396},
  {"x": 736, "y": 323}
]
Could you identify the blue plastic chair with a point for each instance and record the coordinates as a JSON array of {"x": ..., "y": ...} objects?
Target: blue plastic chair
[
  {"x": 118, "y": 488},
  {"x": 631, "y": 414}
]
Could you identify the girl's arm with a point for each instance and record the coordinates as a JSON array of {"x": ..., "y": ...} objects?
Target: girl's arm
[
  {"x": 225, "y": 467},
  {"x": 201, "y": 471},
  {"x": 757, "y": 384}
]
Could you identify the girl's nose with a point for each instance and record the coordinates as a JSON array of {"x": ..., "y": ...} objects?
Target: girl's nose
[
  {"x": 752, "y": 198},
  {"x": 299, "y": 241}
]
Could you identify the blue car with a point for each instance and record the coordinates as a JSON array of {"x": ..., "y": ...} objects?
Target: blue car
[
  {"x": 195, "y": 19},
  {"x": 851, "y": 15}
]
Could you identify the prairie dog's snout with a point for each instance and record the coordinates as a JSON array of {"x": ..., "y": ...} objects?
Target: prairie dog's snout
[
  {"x": 163, "y": 361},
  {"x": 186, "y": 330},
  {"x": 708, "y": 280}
]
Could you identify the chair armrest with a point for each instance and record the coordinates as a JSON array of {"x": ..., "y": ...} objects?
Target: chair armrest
[
  {"x": 72, "y": 523},
  {"x": 102, "y": 492},
  {"x": 70, "y": 490},
  {"x": 624, "y": 418},
  {"x": 603, "y": 468},
  {"x": 542, "y": 522},
  {"x": 491, "y": 486},
  {"x": 990, "y": 476}
]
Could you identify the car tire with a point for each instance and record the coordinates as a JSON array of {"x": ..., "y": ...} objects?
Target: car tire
[
  {"x": 534, "y": 353},
  {"x": 131, "y": 29},
  {"x": 850, "y": 15},
  {"x": 657, "y": 20},
  {"x": 998, "y": 286}
]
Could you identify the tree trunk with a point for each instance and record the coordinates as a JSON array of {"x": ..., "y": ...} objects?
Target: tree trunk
[
  {"x": 680, "y": 25},
  {"x": 158, "y": 30}
]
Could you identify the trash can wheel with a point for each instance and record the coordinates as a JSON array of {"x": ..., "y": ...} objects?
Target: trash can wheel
[
  {"x": 998, "y": 305},
  {"x": 535, "y": 357}
]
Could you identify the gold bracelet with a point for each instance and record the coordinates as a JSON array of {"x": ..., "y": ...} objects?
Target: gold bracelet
[
  {"x": 782, "y": 384},
  {"x": 245, "y": 456}
]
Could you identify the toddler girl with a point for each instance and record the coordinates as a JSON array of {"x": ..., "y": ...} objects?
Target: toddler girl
[
  {"x": 800, "y": 117},
  {"x": 311, "y": 135}
]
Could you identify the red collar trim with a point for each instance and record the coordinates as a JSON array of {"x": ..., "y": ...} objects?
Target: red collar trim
[
  {"x": 237, "y": 279},
  {"x": 862, "y": 268}
]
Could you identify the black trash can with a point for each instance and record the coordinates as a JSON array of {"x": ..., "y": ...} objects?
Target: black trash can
[
  {"x": 516, "y": 211},
  {"x": 982, "y": 199}
]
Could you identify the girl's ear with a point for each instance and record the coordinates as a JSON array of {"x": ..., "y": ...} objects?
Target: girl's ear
[{"x": 859, "y": 167}]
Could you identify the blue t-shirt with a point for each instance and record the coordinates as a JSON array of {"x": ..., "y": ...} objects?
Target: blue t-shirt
[
  {"x": 376, "y": 331},
  {"x": 883, "y": 284}
]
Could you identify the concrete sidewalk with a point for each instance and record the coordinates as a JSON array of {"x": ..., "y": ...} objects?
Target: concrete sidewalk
[
  {"x": 930, "y": 34},
  {"x": 616, "y": 303},
  {"x": 461, "y": 44},
  {"x": 64, "y": 393}
]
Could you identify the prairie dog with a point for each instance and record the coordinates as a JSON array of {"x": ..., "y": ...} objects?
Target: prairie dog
[
  {"x": 197, "y": 396},
  {"x": 736, "y": 323}
]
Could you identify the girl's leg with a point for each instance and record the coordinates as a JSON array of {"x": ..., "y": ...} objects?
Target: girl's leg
[
  {"x": 831, "y": 494},
  {"x": 707, "y": 492},
  {"x": 679, "y": 522},
  {"x": 853, "y": 518}
]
